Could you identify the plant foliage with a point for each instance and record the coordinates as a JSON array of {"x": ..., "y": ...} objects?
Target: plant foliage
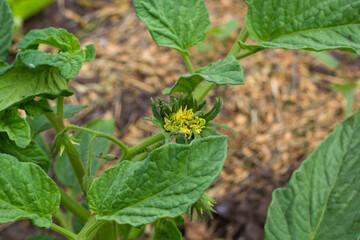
[
  {"x": 315, "y": 25},
  {"x": 156, "y": 181}
]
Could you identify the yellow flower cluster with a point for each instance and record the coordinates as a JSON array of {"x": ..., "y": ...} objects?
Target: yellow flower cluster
[{"x": 184, "y": 121}]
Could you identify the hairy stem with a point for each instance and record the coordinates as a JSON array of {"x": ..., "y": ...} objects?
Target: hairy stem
[
  {"x": 98, "y": 134},
  {"x": 52, "y": 117},
  {"x": 74, "y": 207},
  {"x": 140, "y": 157},
  {"x": 60, "y": 108},
  {"x": 247, "y": 53},
  {"x": 108, "y": 231},
  {"x": 142, "y": 146},
  {"x": 243, "y": 35},
  {"x": 70, "y": 150},
  {"x": 90, "y": 229},
  {"x": 91, "y": 145},
  {"x": 188, "y": 62},
  {"x": 75, "y": 161},
  {"x": 63, "y": 231},
  {"x": 88, "y": 178},
  {"x": 203, "y": 89}
]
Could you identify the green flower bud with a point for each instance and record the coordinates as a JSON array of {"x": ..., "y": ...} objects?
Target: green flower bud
[{"x": 204, "y": 204}]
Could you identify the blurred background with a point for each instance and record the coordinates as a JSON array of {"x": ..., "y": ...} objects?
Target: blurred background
[{"x": 290, "y": 102}]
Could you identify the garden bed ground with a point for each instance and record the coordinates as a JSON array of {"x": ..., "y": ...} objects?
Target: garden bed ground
[{"x": 282, "y": 113}]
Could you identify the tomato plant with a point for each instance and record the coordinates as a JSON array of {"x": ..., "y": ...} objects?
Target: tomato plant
[{"x": 166, "y": 175}]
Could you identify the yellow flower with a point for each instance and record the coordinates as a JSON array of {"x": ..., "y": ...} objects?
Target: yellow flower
[{"x": 184, "y": 121}]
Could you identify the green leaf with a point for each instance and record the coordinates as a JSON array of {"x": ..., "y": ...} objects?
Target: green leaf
[
  {"x": 35, "y": 73},
  {"x": 15, "y": 126},
  {"x": 227, "y": 71},
  {"x": 179, "y": 220},
  {"x": 63, "y": 168},
  {"x": 166, "y": 230},
  {"x": 211, "y": 115},
  {"x": 26, "y": 193},
  {"x": 204, "y": 47},
  {"x": 348, "y": 90},
  {"x": 56, "y": 37},
  {"x": 165, "y": 184},
  {"x": 43, "y": 145},
  {"x": 214, "y": 124},
  {"x": 314, "y": 25},
  {"x": 71, "y": 109},
  {"x": 41, "y": 236},
  {"x": 6, "y": 30},
  {"x": 33, "y": 107},
  {"x": 156, "y": 114},
  {"x": 223, "y": 31},
  {"x": 321, "y": 201},
  {"x": 31, "y": 153},
  {"x": 69, "y": 65},
  {"x": 3, "y": 64},
  {"x": 70, "y": 57},
  {"x": 206, "y": 132},
  {"x": 343, "y": 87},
  {"x": 20, "y": 83},
  {"x": 327, "y": 59},
  {"x": 39, "y": 123},
  {"x": 174, "y": 24},
  {"x": 90, "y": 52},
  {"x": 27, "y": 8}
]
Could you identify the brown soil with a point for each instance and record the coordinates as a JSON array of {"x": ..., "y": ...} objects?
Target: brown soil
[{"x": 282, "y": 113}]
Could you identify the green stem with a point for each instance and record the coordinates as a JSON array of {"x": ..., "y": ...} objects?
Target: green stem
[
  {"x": 243, "y": 35},
  {"x": 64, "y": 220},
  {"x": 247, "y": 53},
  {"x": 52, "y": 117},
  {"x": 188, "y": 62},
  {"x": 98, "y": 134},
  {"x": 91, "y": 145},
  {"x": 63, "y": 231},
  {"x": 202, "y": 90},
  {"x": 142, "y": 146},
  {"x": 74, "y": 207},
  {"x": 108, "y": 231},
  {"x": 88, "y": 178},
  {"x": 90, "y": 229},
  {"x": 140, "y": 157},
  {"x": 70, "y": 150},
  {"x": 75, "y": 161},
  {"x": 60, "y": 107}
]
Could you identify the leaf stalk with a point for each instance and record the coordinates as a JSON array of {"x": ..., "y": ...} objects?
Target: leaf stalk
[
  {"x": 97, "y": 134},
  {"x": 90, "y": 229},
  {"x": 243, "y": 35},
  {"x": 142, "y": 146},
  {"x": 91, "y": 145},
  {"x": 70, "y": 150},
  {"x": 188, "y": 62},
  {"x": 63, "y": 231},
  {"x": 60, "y": 108},
  {"x": 246, "y": 53},
  {"x": 74, "y": 207}
]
